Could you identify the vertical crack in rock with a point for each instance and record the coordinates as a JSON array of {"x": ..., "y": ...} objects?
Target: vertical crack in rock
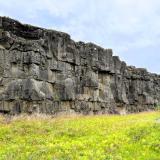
[{"x": 45, "y": 71}]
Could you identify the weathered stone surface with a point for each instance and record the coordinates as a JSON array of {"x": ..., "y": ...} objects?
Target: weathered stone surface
[{"x": 46, "y": 71}]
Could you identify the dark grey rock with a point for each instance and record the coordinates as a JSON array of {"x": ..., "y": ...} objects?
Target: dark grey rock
[{"x": 46, "y": 71}]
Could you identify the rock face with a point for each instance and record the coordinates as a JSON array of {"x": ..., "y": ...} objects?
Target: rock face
[{"x": 45, "y": 71}]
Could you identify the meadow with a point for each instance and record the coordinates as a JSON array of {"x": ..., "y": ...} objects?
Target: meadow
[{"x": 105, "y": 137}]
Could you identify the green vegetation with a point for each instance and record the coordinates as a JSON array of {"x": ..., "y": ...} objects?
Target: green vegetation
[
  {"x": 157, "y": 108},
  {"x": 130, "y": 137}
]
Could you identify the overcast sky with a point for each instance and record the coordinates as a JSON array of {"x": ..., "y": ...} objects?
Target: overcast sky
[{"x": 130, "y": 27}]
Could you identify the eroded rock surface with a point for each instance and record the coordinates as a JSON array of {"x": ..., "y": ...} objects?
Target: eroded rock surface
[{"x": 45, "y": 71}]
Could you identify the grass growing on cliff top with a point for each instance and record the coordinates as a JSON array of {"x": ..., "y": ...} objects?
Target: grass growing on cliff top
[{"x": 130, "y": 137}]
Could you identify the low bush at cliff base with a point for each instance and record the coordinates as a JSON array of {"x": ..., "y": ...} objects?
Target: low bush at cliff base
[{"x": 130, "y": 137}]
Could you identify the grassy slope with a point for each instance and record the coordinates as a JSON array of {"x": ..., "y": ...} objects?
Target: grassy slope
[{"x": 131, "y": 137}]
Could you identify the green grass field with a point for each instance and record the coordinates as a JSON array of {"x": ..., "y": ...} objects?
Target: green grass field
[{"x": 130, "y": 137}]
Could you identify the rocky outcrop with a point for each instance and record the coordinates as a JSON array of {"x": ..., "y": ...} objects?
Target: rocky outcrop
[{"x": 46, "y": 71}]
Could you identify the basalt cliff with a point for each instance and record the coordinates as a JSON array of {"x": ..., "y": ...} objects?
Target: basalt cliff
[{"x": 45, "y": 71}]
